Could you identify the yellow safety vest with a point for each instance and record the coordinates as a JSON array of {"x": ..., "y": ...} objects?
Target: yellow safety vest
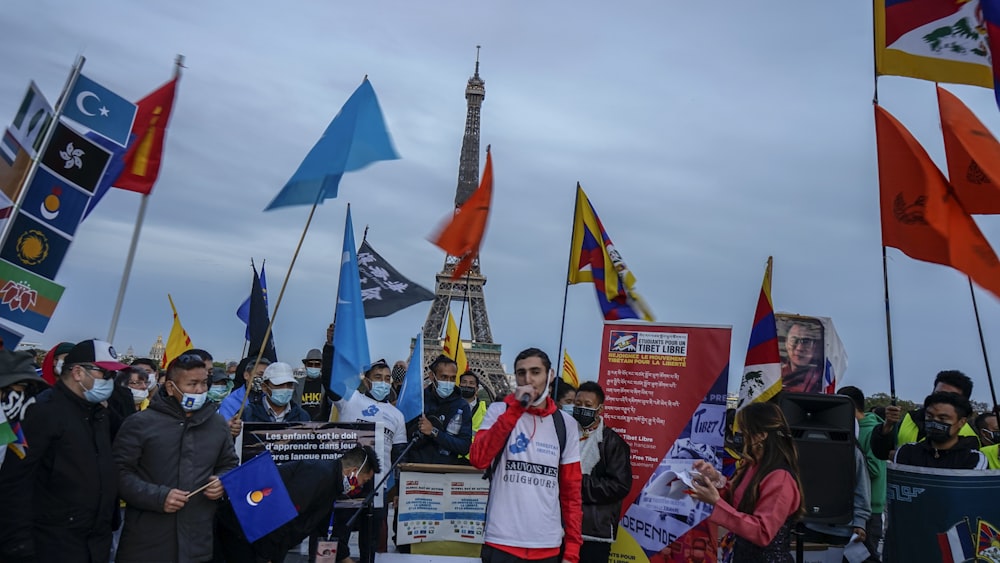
[
  {"x": 477, "y": 420},
  {"x": 992, "y": 454}
]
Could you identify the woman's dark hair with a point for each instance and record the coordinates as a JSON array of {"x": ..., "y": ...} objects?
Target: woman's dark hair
[
  {"x": 560, "y": 389},
  {"x": 125, "y": 375},
  {"x": 777, "y": 452}
]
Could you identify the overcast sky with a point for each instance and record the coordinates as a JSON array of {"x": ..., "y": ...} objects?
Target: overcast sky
[{"x": 706, "y": 140}]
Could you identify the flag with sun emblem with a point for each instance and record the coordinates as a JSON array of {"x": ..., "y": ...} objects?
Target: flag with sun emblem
[
  {"x": 259, "y": 497},
  {"x": 54, "y": 202},
  {"x": 34, "y": 246},
  {"x": 989, "y": 542}
]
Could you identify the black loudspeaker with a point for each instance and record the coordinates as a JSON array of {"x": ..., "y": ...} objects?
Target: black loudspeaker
[{"x": 823, "y": 429}]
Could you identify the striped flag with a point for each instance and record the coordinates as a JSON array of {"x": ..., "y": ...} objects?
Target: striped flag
[
  {"x": 762, "y": 369},
  {"x": 452, "y": 347},
  {"x": 569, "y": 371},
  {"x": 178, "y": 342},
  {"x": 956, "y": 543}
]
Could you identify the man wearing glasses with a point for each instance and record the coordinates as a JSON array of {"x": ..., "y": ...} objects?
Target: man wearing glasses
[
  {"x": 800, "y": 372},
  {"x": 68, "y": 477}
]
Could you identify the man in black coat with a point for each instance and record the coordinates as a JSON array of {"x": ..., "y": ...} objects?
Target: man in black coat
[
  {"x": 66, "y": 484},
  {"x": 313, "y": 486},
  {"x": 446, "y": 425},
  {"x": 172, "y": 448}
]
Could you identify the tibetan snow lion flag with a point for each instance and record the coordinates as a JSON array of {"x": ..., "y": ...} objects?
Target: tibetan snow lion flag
[{"x": 936, "y": 40}]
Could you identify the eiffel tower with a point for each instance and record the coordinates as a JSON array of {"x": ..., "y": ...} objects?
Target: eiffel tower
[{"x": 483, "y": 354}]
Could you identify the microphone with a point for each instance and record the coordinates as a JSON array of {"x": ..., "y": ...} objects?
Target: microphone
[{"x": 525, "y": 399}]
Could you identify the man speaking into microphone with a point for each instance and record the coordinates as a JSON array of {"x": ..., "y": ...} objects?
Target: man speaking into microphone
[{"x": 531, "y": 452}]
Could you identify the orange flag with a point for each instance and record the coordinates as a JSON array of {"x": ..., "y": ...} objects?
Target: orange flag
[
  {"x": 142, "y": 161},
  {"x": 973, "y": 156},
  {"x": 919, "y": 214},
  {"x": 463, "y": 235}
]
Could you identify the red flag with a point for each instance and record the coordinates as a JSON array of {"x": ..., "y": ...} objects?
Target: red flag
[
  {"x": 920, "y": 214},
  {"x": 463, "y": 235},
  {"x": 973, "y": 156},
  {"x": 142, "y": 161}
]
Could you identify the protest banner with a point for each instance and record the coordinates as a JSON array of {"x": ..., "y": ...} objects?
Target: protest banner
[
  {"x": 297, "y": 441},
  {"x": 665, "y": 388},
  {"x": 442, "y": 507},
  {"x": 942, "y": 514}
]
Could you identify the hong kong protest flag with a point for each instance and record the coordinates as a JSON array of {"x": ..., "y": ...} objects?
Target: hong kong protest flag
[
  {"x": 973, "y": 156},
  {"x": 259, "y": 497},
  {"x": 920, "y": 216},
  {"x": 383, "y": 289},
  {"x": 354, "y": 139}
]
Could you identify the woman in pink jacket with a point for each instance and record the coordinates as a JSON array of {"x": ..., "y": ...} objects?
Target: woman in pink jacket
[{"x": 764, "y": 500}]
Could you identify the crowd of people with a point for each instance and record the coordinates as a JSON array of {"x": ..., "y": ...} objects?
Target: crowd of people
[{"x": 122, "y": 462}]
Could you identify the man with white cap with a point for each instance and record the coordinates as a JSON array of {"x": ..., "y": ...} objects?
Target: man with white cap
[
  {"x": 275, "y": 403},
  {"x": 68, "y": 478}
]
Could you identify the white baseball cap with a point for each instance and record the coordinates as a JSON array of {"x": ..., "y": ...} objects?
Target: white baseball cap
[{"x": 279, "y": 373}]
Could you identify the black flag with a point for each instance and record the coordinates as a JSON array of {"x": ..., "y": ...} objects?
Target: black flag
[
  {"x": 259, "y": 321},
  {"x": 383, "y": 289}
]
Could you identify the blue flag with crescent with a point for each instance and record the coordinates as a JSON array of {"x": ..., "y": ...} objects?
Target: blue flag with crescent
[
  {"x": 354, "y": 139},
  {"x": 100, "y": 110},
  {"x": 350, "y": 338}
]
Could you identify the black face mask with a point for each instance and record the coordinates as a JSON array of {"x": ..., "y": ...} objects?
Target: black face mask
[
  {"x": 990, "y": 435},
  {"x": 937, "y": 431},
  {"x": 584, "y": 416},
  {"x": 467, "y": 392}
]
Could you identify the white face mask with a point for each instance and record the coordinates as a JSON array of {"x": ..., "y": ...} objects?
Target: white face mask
[
  {"x": 59, "y": 366},
  {"x": 139, "y": 395}
]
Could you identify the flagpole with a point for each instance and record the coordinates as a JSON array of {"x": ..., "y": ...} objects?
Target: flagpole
[
  {"x": 277, "y": 304},
  {"x": 888, "y": 327},
  {"x": 562, "y": 324},
  {"x": 33, "y": 167},
  {"x": 982, "y": 343},
  {"x": 140, "y": 218}
]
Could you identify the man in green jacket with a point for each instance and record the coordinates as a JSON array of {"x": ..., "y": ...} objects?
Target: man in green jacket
[{"x": 869, "y": 422}]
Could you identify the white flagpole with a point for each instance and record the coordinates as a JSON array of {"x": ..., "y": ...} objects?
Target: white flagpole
[
  {"x": 33, "y": 168},
  {"x": 179, "y": 63}
]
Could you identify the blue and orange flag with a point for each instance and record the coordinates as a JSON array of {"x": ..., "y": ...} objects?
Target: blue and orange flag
[
  {"x": 594, "y": 259},
  {"x": 762, "y": 369},
  {"x": 259, "y": 497}
]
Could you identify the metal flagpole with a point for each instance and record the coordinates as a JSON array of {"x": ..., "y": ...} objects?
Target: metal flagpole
[
  {"x": 982, "y": 343},
  {"x": 562, "y": 324},
  {"x": 178, "y": 64},
  {"x": 33, "y": 168}
]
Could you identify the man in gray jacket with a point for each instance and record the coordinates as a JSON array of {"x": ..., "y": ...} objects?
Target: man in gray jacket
[{"x": 164, "y": 454}]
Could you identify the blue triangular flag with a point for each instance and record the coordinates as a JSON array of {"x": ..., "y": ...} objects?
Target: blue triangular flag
[
  {"x": 411, "y": 393},
  {"x": 350, "y": 338},
  {"x": 354, "y": 139},
  {"x": 259, "y": 497}
]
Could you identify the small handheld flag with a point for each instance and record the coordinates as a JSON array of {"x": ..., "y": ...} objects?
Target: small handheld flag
[
  {"x": 259, "y": 497},
  {"x": 411, "y": 394},
  {"x": 569, "y": 371}
]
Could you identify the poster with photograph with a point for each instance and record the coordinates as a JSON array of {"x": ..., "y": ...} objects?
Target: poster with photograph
[{"x": 813, "y": 358}]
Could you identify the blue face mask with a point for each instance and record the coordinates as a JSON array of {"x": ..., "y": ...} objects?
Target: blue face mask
[
  {"x": 445, "y": 388},
  {"x": 281, "y": 397},
  {"x": 312, "y": 373},
  {"x": 380, "y": 390},
  {"x": 568, "y": 409},
  {"x": 218, "y": 392},
  {"x": 100, "y": 391}
]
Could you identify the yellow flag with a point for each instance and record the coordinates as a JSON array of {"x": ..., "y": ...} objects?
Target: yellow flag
[
  {"x": 452, "y": 347},
  {"x": 178, "y": 342},
  {"x": 569, "y": 371}
]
